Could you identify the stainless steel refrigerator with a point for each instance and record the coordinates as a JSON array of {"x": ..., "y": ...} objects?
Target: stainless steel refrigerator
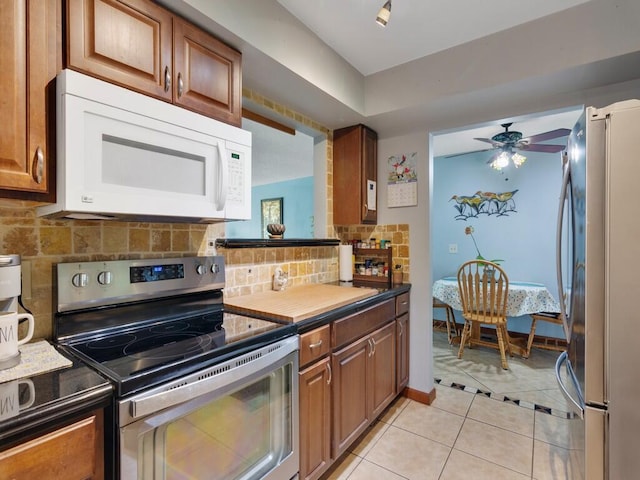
[{"x": 599, "y": 277}]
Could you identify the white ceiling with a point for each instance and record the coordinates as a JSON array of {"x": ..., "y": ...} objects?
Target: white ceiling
[
  {"x": 417, "y": 28},
  {"x": 349, "y": 28}
]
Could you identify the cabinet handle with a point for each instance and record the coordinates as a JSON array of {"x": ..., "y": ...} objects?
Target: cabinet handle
[
  {"x": 330, "y": 374},
  {"x": 180, "y": 85},
  {"x": 167, "y": 78},
  {"x": 365, "y": 209},
  {"x": 373, "y": 345},
  {"x": 371, "y": 348},
  {"x": 38, "y": 165},
  {"x": 315, "y": 345},
  {"x": 401, "y": 328}
]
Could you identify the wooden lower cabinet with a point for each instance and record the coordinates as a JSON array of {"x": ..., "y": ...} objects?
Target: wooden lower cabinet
[
  {"x": 350, "y": 371},
  {"x": 382, "y": 371},
  {"x": 402, "y": 352},
  {"x": 72, "y": 452},
  {"x": 350, "y": 394},
  {"x": 315, "y": 414},
  {"x": 364, "y": 384}
]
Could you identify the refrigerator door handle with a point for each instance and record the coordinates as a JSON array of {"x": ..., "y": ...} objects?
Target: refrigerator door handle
[
  {"x": 577, "y": 405},
  {"x": 566, "y": 178}
]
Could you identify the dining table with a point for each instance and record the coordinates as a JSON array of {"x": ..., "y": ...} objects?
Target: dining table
[{"x": 523, "y": 298}]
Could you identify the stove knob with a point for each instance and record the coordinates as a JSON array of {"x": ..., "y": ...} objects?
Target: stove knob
[
  {"x": 200, "y": 269},
  {"x": 215, "y": 268},
  {"x": 104, "y": 278},
  {"x": 80, "y": 280}
]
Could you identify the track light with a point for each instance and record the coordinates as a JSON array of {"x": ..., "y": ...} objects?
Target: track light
[{"x": 384, "y": 14}]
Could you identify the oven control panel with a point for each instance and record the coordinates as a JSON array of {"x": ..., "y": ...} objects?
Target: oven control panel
[{"x": 90, "y": 284}]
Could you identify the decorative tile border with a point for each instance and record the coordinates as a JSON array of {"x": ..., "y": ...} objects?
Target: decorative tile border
[{"x": 503, "y": 398}]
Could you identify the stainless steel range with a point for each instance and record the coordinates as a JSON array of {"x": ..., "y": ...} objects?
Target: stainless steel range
[{"x": 200, "y": 393}]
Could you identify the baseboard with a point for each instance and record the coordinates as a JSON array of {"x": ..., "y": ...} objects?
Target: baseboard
[{"x": 421, "y": 397}]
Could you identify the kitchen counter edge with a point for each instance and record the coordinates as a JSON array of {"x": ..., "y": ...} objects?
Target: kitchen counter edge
[{"x": 60, "y": 395}]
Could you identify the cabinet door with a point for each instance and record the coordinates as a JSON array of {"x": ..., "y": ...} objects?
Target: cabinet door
[
  {"x": 355, "y": 175},
  {"x": 315, "y": 419},
  {"x": 128, "y": 42},
  {"x": 73, "y": 452},
  {"x": 350, "y": 412},
  {"x": 382, "y": 369},
  {"x": 402, "y": 354},
  {"x": 207, "y": 74},
  {"x": 370, "y": 178},
  {"x": 30, "y": 59}
]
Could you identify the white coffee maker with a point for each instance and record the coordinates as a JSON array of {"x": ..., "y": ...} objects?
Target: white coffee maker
[
  {"x": 10, "y": 282},
  {"x": 10, "y": 290}
]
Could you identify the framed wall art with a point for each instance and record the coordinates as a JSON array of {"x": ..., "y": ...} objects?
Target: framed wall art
[{"x": 271, "y": 209}]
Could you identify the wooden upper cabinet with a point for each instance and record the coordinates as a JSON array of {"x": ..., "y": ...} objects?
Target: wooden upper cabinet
[
  {"x": 355, "y": 174},
  {"x": 30, "y": 60},
  {"x": 142, "y": 46},
  {"x": 128, "y": 43},
  {"x": 207, "y": 74}
]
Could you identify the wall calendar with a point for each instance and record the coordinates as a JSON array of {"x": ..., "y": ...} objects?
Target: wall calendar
[{"x": 402, "y": 182}]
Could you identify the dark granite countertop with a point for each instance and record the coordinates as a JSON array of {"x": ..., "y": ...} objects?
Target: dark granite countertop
[{"x": 59, "y": 395}]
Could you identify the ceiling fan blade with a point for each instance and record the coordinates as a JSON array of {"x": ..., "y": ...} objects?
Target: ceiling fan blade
[
  {"x": 491, "y": 141},
  {"x": 542, "y": 148},
  {"x": 541, "y": 137}
]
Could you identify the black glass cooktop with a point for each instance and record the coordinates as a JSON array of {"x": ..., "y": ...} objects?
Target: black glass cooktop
[{"x": 142, "y": 353}]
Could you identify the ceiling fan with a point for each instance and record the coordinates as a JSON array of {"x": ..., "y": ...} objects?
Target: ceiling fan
[
  {"x": 506, "y": 143},
  {"x": 514, "y": 140},
  {"x": 510, "y": 140}
]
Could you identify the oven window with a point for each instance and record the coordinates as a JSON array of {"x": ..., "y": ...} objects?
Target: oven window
[{"x": 241, "y": 435}]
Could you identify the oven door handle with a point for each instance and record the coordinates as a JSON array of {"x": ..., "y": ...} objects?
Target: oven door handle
[{"x": 213, "y": 380}]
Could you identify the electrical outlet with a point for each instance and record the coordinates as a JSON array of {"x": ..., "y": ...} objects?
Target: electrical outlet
[{"x": 453, "y": 248}]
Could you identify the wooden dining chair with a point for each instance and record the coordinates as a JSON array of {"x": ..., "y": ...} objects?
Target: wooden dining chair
[
  {"x": 483, "y": 288},
  {"x": 550, "y": 317},
  {"x": 450, "y": 320}
]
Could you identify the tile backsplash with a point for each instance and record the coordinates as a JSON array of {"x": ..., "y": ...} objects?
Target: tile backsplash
[{"x": 43, "y": 243}]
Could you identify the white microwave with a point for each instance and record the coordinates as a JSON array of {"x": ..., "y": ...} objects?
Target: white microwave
[{"x": 125, "y": 156}]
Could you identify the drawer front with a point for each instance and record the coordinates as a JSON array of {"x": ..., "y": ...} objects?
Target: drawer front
[
  {"x": 359, "y": 324},
  {"x": 402, "y": 304},
  {"x": 315, "y": 344}
]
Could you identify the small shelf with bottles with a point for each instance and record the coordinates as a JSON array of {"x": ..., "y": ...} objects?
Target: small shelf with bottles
[{"x": 373, "y": 265}]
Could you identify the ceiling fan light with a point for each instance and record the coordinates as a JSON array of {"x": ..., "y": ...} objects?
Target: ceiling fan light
[
  {"x": 384, "y": 14},
  {"x": 500, "y": 161},
  {"x": 518, "y": 159}
]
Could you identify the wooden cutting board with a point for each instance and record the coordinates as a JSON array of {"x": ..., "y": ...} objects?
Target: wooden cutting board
[{"x": 298, "y": 303}]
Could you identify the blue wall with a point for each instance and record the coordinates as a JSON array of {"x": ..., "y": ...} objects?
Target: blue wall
[
  {"x": 297, "y": 210},
  {"x": 524, "y": 239}
]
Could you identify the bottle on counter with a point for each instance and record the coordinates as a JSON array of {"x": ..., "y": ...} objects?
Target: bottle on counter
[{"x": 397, "y": 275}]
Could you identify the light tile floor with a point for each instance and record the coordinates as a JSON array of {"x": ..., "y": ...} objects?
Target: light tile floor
[{"x": 486, "y": 423}]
